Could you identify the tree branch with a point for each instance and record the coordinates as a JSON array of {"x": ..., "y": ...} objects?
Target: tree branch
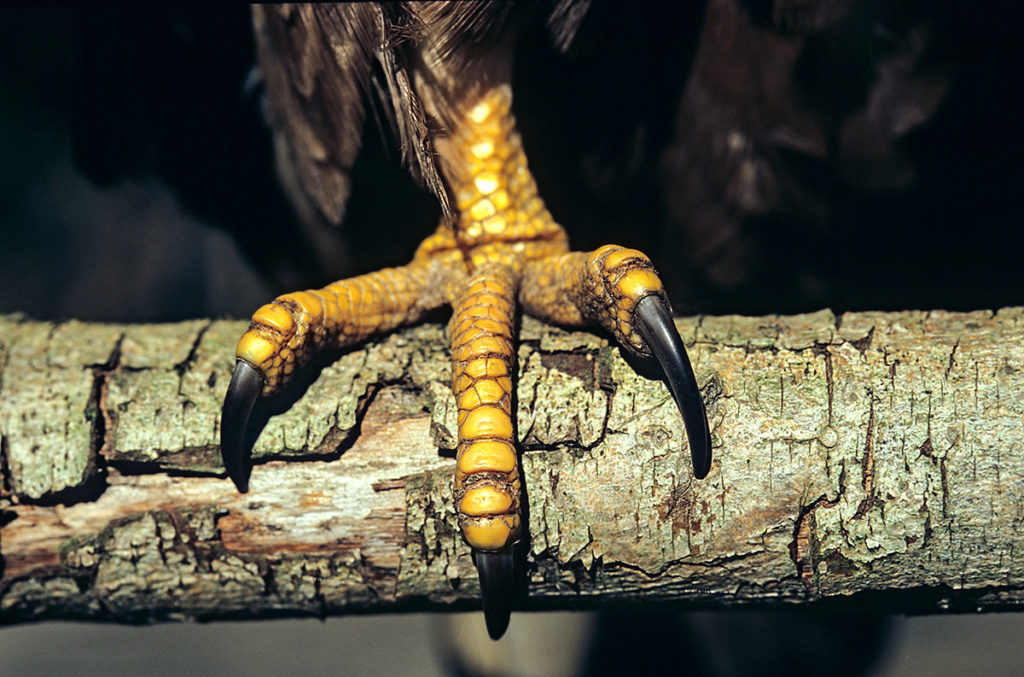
[{"x": 874, "y": 457}]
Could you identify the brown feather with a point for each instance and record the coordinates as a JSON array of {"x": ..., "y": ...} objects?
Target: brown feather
[
  {"x": 321, "y": 64},
  {"x": 317, "y": 69}
]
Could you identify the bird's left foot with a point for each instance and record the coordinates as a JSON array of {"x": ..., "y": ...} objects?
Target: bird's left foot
[{"x": 505, "y": 251}]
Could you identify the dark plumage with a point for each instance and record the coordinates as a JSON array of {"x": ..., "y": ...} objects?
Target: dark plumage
[{"x": 326, "y": 66}]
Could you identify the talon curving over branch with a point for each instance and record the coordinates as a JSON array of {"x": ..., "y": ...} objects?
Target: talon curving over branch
[
  {"x": 654, "y": 321},
  {"x": 246, "y": 385}
]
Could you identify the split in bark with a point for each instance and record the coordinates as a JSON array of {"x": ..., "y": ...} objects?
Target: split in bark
[{"x": 874, "y": 457}]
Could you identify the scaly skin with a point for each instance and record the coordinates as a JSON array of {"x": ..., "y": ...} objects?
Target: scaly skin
[
  {"x": 285, "y": 333},
  {"x": 505, "y": 248},
  {"x": 487, "y": 482}
]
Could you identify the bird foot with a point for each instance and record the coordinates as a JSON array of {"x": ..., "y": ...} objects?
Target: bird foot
[{"x": 505, "y": 251}]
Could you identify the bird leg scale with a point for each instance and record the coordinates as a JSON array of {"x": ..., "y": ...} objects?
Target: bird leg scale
[
  {"x": 286, "y": 332},
  {"x": 505, "y": 248},
  {"x": 487, "y": 483},
  {"x": 619, "y": 289},
  {"x": 599, "y": 287}
]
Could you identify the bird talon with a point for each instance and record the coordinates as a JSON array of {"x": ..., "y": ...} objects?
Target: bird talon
[
  {"x": 497, "y": 578},
  {"x": 654, "y": 321},
  {"x": 246, "y": 385}
]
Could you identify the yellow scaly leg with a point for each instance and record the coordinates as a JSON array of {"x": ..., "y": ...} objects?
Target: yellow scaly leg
[
  {"x": 285, "y": 333},
  {"x": 619, "y": 289},
  {"x": 505, "y": 248}
]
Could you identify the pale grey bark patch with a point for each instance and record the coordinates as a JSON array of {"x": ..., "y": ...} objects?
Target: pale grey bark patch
[{"x": 872, "y": 454}]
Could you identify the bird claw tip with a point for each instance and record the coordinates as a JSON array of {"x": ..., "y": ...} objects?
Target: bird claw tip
[
  {"x": 246, "y": 385},
  {"x": 654, "y": 321},
  {"x": 497, "y": 577}
]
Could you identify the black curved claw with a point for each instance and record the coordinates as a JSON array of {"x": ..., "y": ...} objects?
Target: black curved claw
[
  {"x": 655, "y": 324},
  {"x": 246, "y": 385},
  {"x": 497, "y": 579}
]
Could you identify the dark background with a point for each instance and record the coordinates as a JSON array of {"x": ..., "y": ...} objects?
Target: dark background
[
  {"x": 136, "y": 184},
  {"x": 136, "y": 173}
]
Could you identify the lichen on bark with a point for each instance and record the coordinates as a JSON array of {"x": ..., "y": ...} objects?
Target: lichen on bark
[{"x": 869, "y": 453}]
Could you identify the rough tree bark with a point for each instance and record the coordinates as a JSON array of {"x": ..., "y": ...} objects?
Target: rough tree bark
[{"x": 876, "y": 458}]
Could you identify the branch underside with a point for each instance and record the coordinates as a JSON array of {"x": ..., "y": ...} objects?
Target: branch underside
[{"x": 874, "y": 456}]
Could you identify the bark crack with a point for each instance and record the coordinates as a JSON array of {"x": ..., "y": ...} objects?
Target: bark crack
[
  {"x": 103, "y": 419},
  {"x": 868, "y": 464},
  {"x": 6, "y": 481},
  {"x": 862, "y": 344},
  {"x": 829, "y": 382},
  {"x": 803, "y": 549},
  {"x": 183, "y": 367},
  {"x": 952, "y": 360}
]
